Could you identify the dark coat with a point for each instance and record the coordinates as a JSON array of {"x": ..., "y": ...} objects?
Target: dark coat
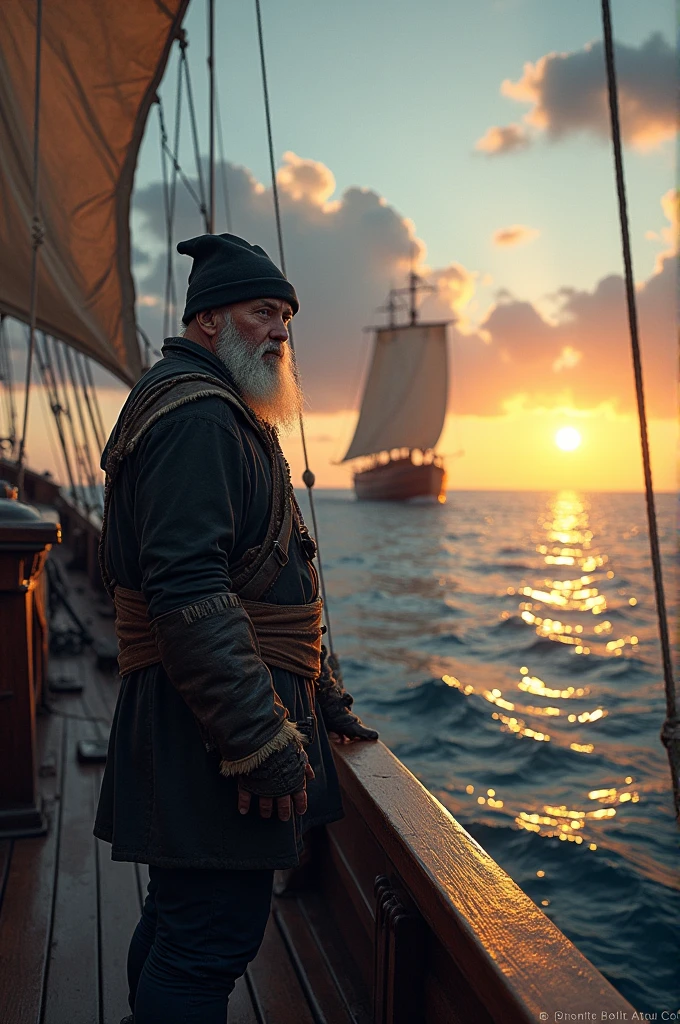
[{"x": 190, "y": 500}]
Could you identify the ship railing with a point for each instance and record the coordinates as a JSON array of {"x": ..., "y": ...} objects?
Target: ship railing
[{"x": 439, "y": 931}]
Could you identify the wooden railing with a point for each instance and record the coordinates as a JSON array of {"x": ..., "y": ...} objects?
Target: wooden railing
[
  {"x": 25, "y": 540},
  {"x": 438, "y": 930}
]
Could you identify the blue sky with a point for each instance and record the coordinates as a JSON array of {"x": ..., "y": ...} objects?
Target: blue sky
[{"x": 393, "y": 97}]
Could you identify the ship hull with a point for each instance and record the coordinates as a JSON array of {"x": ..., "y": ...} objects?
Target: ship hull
[{"x": 400, "y": 480}]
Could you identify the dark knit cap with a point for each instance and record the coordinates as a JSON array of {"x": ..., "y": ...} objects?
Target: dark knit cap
[{"x": 228, "y": 269}]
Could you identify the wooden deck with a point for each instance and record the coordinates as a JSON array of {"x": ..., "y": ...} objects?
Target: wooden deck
[{"x": 67, "y": 911}]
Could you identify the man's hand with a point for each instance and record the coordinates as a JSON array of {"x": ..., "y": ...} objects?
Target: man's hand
[
  {"x": 335, "y": 702},
  {"x": 281, "y": 775},
  {"x": 283, "y": 803}
]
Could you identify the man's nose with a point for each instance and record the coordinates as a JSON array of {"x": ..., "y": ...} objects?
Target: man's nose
[{"x": 279, "y": 331}]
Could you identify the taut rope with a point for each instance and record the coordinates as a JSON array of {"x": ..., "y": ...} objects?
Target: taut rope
[
  {"x": 37, "y": 238},
  {"x": 308, "y": 476},
  {"x": 670, "y": 732}
]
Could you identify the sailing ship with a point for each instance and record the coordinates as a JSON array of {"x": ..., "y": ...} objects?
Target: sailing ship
[
  {"x": 397, "y": 916},
  {"x": 403, "y": 408}
]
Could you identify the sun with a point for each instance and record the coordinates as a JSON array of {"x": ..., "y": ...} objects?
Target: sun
[{"x": 568, "y": 439}]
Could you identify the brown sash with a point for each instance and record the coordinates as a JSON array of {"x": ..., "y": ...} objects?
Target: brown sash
[{"x": 289, "y": 635}]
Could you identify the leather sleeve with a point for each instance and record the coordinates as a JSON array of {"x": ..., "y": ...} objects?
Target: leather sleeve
[{"x": 209, "y": 652}]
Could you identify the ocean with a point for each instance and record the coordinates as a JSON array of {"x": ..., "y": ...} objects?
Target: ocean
[{"x": 506, "y": 647}]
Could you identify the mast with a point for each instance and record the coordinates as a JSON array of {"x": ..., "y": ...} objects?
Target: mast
[{"x": 415, "y": 285}]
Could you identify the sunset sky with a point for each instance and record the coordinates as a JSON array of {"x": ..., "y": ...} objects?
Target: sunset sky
[{"x": 476, "y": 135}]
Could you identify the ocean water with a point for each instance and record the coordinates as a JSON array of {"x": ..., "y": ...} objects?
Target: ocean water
[{"x": 505, "y": 644}]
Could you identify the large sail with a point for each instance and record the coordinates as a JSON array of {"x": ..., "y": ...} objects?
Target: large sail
[
  {"x": 101, "y": 63},
  {"x": 404, "y": 403}
]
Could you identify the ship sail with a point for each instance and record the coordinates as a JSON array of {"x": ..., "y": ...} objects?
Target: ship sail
[
  {"x": 405, "y": 399},
  {"x": 101, "y": 64}
]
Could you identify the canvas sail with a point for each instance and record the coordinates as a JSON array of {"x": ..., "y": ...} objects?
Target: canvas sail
[
  {"x": 404, "y": 402},
  {"x": 101, "y": 65}
]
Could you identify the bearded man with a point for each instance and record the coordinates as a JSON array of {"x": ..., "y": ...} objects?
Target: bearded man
[{"x": 227, "y": 699}]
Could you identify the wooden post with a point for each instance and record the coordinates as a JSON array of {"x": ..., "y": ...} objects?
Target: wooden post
[{"x": 25, "y": 539}]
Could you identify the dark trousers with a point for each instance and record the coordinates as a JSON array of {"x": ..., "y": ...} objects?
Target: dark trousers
[{"x": 198, "y": 932}]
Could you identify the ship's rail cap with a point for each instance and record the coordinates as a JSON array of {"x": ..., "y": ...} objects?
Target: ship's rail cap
[{"x": 521, "y": 965}]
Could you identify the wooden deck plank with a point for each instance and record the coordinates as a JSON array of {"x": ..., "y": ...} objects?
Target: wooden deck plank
[
  {"x": 72, "y": 994},
  {"x": 5, "y": 857},
  {"x": 354, "y": 993},
  {"x": 26, "y": 911},
  {"x": 119, "y": 911},
  {"x": 277, "y": 989}
]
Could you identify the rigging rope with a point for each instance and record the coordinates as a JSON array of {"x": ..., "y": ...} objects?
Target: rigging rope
[
  {"x": 48, "y": 419},
  {"x": 223, "y": 165},
  {"x": 211, "y": 136},
  {"x": 37, "y": 238},
  {"x": 670, "y": 732},
  {"x": 7, "y": 378},
  {"x": 194, "y": 131},
  {"x": 165, "y": 148},
  {"x": 50, "y": 384},
  {"x": 95, "y": 398},
  {"x": 308, "y": 476},
  {"x": 60, "y": 380},
  {"x": 88, "y": 464},
  {"x": 99, "y": 438}
]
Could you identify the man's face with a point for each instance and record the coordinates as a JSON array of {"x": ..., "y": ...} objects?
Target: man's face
[
  {"x": 252, "y": 342},
  {"x": 263, "y": 320}
]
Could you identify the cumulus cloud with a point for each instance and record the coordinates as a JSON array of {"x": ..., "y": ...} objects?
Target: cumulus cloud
[
  {"x": 582, "y": 359},
  {"x": 344, "y": 254},
  {"x": 343, "y": 257},
  {"x": 305, "y": 180},
  {"x": 517, "y": 234},
  {"x": 567, "y": 93},
  {"x": 503, "y": 139}
]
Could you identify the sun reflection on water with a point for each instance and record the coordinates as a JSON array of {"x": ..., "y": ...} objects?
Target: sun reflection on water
[{"x": 562, "y": 608}]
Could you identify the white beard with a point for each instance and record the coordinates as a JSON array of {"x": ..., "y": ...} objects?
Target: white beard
[{"x": 271, "y": 387}]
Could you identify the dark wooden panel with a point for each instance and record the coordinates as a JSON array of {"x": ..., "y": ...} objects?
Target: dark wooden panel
[
  {"x": 241, "y": 1010},
  {"x": 26, "y": 912},
  {"x": 448, "y": 995},
  {"x": 362, "y": 855},
  {"x": 350, "y": 884},
  {"x": 277, "y": 989},
  {"x": 517, "y": 960},
  {"x": 357, "y": 938},
  {"x": 72, "y": 993}
]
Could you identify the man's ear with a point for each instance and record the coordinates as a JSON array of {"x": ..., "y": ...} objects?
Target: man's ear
[{"x": 207, "y": 321}]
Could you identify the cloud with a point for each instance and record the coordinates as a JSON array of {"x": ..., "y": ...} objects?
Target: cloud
[
  {"x": 581, "y": 360},
  {"x": 670, "y": 234},
  {"x": 305, "y": 180},
  {"x": 567, "y": 359},
  {"x": 504, "y": 139},
  {"x": 343, "y": 257},
  {"x": 345, "y": 253},
  {"x": 517, "y": 234},
  {"x": 568, "y": 94}
]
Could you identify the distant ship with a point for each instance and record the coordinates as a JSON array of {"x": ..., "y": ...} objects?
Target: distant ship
[{"x": 403, "y": 409}]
